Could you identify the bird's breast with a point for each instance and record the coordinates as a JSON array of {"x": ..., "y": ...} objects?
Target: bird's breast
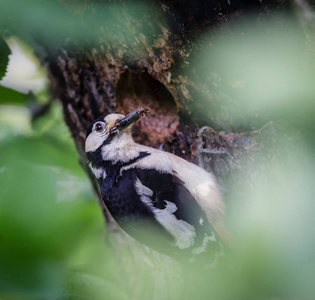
[{"x": 119, "y": 194}]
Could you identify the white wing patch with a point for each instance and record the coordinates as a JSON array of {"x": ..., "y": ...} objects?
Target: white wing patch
[
  {"x": 98, "y": 172},
  {"x": 183, "y": 233},
  {"x": 201, "y": 184},
  {"x": 205, "y": 242},
  {"x": 142, "y": 189},
  {"x": 215, "y": 262}
]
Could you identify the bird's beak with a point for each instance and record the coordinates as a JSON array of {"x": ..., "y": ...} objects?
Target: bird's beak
[{"x": 127, "y": 122}]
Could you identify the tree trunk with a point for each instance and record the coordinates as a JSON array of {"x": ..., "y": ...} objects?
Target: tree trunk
[
  {"x": 148, "y": 64},
  {"x": 148, "y": 68}
]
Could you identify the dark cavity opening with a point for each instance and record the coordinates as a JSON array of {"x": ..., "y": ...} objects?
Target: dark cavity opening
[{"x": 140, "y": 89}]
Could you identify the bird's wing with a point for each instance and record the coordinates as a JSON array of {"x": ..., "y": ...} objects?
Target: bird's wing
[
  {"x": 174, "y": 208},
  {"x": 200, "y": 183},
  {"x": 203, "y": 187}
]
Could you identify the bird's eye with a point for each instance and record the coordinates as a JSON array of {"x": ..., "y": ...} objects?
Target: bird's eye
[
  {"x": 99, "y": 127},
  {"x": 118, "y": 125}
]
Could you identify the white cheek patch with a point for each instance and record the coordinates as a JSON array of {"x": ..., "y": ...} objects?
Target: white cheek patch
[
  {"x": 183, "y": 233},
  {"x": 94, "y": 141}
]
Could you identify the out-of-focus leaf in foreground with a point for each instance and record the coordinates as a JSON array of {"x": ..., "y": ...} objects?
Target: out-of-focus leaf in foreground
[
  {"x": 10, "y": 96},
  {"x": 259, "y": 72},
  {"x": 50, "y": 231},
  {"x": 110, "y": 21},
  {"x": 4, "y": 57},
  {"x": 263, "y": 74},
  {"x": 51, "y": 234}
]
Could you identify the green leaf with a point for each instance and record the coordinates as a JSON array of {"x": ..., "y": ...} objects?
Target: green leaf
[
  {"x": 10, "y": 96},
  {"x": 115, "y": 22},
  {"x": 44, "y": 222},
  {"x": 46, "y": 151},
  {"x": 4, "y": 57}
]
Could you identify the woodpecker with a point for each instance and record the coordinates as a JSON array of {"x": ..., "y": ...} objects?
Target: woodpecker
[{"x": 158, "y": 198}]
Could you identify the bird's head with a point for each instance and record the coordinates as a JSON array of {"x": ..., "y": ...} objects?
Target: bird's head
[{"x": 107, "y": 129}]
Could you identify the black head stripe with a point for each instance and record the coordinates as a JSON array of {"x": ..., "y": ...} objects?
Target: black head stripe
[
  {"x": 95, "y": 157},
  {"x": 89, "y": 129}
]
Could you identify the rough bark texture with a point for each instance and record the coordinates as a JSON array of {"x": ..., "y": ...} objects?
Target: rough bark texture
[
  {"x": 106, "y": 77},
  {"x": 102, "y": 78}
]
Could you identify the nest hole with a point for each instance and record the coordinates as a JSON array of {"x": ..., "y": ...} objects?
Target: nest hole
[{"x": 140, "y": 89}]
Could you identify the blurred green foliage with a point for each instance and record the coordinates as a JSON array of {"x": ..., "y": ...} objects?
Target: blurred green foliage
[
  {"x": 80, "y": 22},
  {"x": 260, "y": 71},
  {"x": 4, "y": 57},
  {"x": 51, "y": 228},
  {"x": 51, "y": 231},
  {"x": 265, "y": 72},
  {"x": 10, "y": 96}
]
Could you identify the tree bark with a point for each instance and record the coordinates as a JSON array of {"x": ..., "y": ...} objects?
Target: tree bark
[
  {"x": 101, "y": 77},
  {"x": 151, "y": 69}
]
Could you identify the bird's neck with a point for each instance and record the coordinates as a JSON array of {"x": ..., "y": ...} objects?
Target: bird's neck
[{"x": 121, "y": 149}]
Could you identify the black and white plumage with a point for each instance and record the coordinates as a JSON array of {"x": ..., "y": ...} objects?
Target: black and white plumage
[{"x": 158, "y": 198}]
